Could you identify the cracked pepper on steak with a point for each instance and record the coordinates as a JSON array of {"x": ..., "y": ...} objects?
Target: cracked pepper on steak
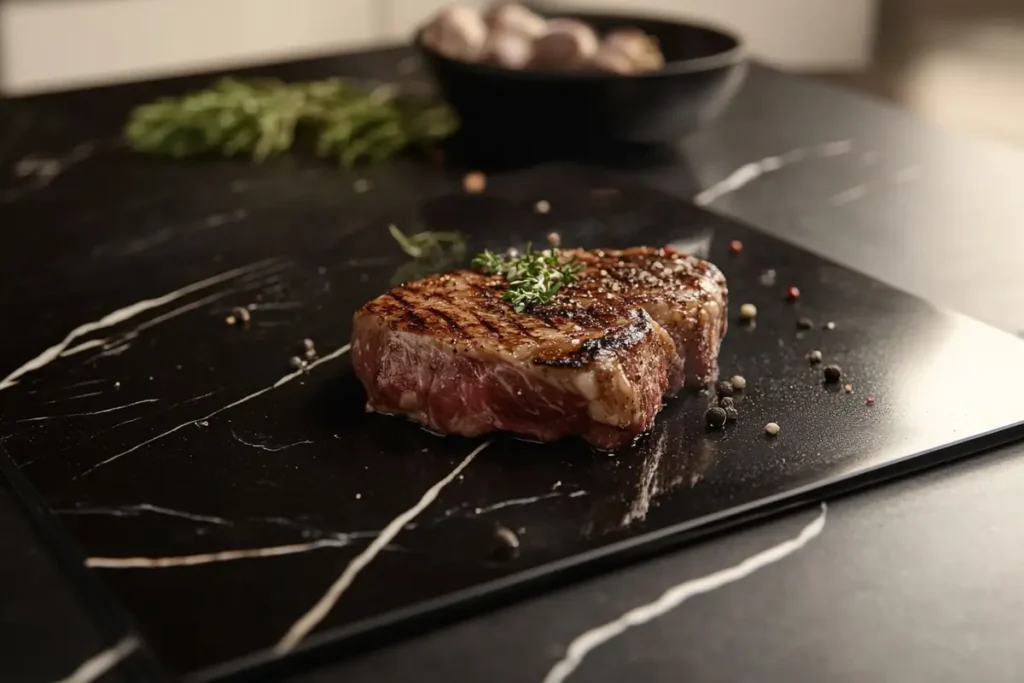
[{"x": 448, "y": 352}]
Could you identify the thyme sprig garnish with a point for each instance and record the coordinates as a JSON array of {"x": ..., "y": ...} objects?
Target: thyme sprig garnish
[
  {"x": 262, "y": 118},
  {"x": 534, "y": 277}
]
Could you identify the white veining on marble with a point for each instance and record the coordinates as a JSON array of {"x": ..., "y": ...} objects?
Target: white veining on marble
[
  {"x": 95, "y": 667},
  {"x": 87, "y": 394},
  {"x": 284, "y": 380},
  {"x": 266, "y": 447},
  {"x": 208, "y": 558},
  {"x": 117, "y": 344},
  {"x": 517, "y": 502},
  {"x": 308, "y": 621},
  {"x": 583, "y": 644},
  {"x": 91, "y": 412},
  {"x": 747, "y": 173},
  {"x": 123, "y": 314},
  {"x": 84, "y": 346},
  {"x": 112, "y": 351},
  {"x": 134, "y": 510}
]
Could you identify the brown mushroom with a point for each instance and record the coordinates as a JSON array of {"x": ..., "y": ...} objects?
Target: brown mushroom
[
  {"x": 567, "y": 44},
  {"x": 511, "y": 16},
  {"x": 509, "y": 49},
  {"x": 458, "y": 32},
  {"x": 639, "y": 48}
]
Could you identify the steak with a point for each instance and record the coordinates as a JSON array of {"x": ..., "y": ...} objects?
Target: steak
[{"x": 448, "y": 352}]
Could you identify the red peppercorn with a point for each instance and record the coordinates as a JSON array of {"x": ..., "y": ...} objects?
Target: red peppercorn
[
  {"x": 669, "y": 249},
  {"x": 735, "y": 246},
  {"x": 792, "y": 294},
  {"x": 871, "y": 400}
]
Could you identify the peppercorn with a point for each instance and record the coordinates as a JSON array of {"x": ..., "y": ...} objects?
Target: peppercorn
[
  {"x": 739, "y": 382},
  {"x": 771, "y": 429},
  {"x": 543, "y": 206},
  {"x": 297, "y": 362},
  {"x": 848, "y": 388},
  {"x": 804, "y": 324},
  {"x": 735, "y": 246},
  {"x": 554, "y": 239},
  {"x": 830, "y": 325},
  {"x": 871, "y": 400},
  {"x": 832, "y": 373},
  {"x": 726, "y": 402},
  {"x": 814, "y": 357},
  {"x": 715, "y": 417},
  {"x": 792, "y": 294},
  {"x": 724, "y": 388},
  {"x": 748, "y": 311},
  {"x": 731, "y": 414}
]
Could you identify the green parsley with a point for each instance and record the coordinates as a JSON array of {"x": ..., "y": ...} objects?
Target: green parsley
[
  {"x": 262, "y": 118},
  {"x": 534, "y": 277}
]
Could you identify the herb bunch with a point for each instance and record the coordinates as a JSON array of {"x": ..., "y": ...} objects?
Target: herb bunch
[
  {"x": 534, "y": 277},
  {"x": 262, "y": 118}
]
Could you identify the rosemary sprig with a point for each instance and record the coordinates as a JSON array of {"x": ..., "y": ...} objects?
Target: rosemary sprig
[
  {"x": 264, "y": 118},
  {"x": 534, "y": 277}
]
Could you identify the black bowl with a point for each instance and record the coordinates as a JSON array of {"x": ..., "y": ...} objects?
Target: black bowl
[{"x": 704, "y": 68}]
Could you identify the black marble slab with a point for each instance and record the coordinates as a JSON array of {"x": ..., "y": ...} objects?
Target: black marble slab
[{"x": 156, "y": 430}]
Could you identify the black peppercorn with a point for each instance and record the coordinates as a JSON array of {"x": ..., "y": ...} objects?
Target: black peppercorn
[
  {"x": 731, "y": 414},
  {"x": 726, "y": 402},
  {"x": 832, "y": 373},
  {"x": 715, "y": 417},
  {"x": 804, "y": 324},
  {"x": 724, "y": 388}
]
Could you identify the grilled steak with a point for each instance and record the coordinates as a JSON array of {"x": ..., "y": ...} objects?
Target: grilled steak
[{"x": 450, "y": 353}]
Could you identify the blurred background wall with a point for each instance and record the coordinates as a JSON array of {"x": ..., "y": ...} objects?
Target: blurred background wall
[
  {"x": 957, "y": 62},
  {"x": 48, "y": 44}
]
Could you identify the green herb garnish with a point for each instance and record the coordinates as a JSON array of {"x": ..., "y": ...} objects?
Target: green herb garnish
[
  {"x": 431, "y": 252},
  {"x": 534, "y": 277},
  {"x": 264, "y": 117}
]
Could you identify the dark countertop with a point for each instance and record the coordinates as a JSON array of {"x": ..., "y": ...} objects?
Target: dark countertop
[{"x": 912, "y": 581}]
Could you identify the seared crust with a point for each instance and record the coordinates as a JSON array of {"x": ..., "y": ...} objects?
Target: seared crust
[{"x": 450, "y": 353}]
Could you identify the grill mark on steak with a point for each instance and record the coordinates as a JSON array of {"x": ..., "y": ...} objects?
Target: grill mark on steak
[
  {"x": 452, "y": 324},
  {"x": 519, "y": 327},
  {"x": 449, "y": 352},
  {"x": 407, "y": 313},
  {"x": 483, "y": 321}
]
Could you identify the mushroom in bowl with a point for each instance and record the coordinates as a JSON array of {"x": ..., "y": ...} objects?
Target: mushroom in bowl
[{"x": 582, "y": 77}]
